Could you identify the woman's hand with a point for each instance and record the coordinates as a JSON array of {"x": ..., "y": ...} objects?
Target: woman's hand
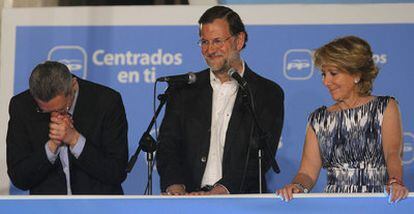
[
  {"x": 396, "y": 192},
  {"x": 286, "y": 193}
]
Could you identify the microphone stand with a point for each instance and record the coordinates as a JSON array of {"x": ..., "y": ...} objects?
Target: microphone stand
[
  {"x": 262, "y": 137},
  {"x": 148, "y": 144}
]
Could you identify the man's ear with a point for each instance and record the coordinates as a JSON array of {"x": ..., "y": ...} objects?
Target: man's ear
[
  {"x": 240, "y": 40},
  {"x": 75, "y": 83}
]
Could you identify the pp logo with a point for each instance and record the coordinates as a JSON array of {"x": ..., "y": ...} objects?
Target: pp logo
[
  {"x": 72, "y": 56},
  {"x": 408, "y": 156},
  {"x": 297, "y": 64}
]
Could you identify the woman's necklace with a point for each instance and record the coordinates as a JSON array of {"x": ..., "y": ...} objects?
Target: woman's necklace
[{"x": 354, "y": 104}]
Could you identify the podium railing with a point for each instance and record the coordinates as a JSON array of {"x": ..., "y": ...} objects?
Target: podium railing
[{"x": 265, "y": 203}]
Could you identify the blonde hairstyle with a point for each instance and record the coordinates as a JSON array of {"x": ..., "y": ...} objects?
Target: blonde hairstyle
[{"x": 353, "y": 55}]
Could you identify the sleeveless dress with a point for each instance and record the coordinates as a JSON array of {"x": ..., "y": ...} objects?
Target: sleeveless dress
[{"x": 350, "y": 143}]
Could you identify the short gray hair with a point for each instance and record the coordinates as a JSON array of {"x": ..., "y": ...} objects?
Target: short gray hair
[{"x": 50, "y": 79}]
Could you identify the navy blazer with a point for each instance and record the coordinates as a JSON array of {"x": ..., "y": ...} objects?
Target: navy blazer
[
  {"x": 99, "y": 116},
  {"x": 184, "y": 138}
]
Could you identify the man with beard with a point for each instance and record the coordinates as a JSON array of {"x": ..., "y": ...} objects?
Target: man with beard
[{"x": 205, "y": 137}]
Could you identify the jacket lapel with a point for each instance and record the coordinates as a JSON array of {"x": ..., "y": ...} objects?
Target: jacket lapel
[
  {"x": 240, "y": 112},
  {"x": 204, "y": 103},
  {"x": 83, "y": 108}
]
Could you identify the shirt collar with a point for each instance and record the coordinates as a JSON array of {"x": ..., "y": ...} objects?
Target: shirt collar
[{"x": 72, "y": 107}]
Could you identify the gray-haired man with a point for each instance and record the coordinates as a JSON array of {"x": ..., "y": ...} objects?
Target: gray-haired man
[{"x": 66, "y": 135}]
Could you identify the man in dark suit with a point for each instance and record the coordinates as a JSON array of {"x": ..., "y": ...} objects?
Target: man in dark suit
[
  {"x": 205, "y": 143},
  {"x": 66, "y": 135}
]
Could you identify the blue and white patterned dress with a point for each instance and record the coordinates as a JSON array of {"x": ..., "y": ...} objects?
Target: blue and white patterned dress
[{"x": 350, "y": 143}]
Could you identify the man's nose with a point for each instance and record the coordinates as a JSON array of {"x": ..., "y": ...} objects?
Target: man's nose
[{"x": 210, "y": 48}]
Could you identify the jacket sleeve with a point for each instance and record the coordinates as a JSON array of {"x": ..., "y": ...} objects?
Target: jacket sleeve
[
  {"x": 27, "y": 165},
  {"x": 169, "y": 151},
  {"x": 106, "y": 161},
  {"x": 272, "y": 116}
]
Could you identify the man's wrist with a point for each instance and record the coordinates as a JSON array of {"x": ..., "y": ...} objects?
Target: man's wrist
[
  {"x": 52, "y": 146},
  {"x": 51, "y": 156},
  {"x": 75, "y": 139}
]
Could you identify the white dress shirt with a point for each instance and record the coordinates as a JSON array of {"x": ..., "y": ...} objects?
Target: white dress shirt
[{"x": 224, "y": 96}]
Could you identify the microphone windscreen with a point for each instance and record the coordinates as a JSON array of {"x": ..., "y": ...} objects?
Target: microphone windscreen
[{"x": 192, "y": 78}]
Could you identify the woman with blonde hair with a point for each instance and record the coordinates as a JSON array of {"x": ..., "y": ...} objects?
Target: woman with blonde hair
[{"x": 358, "y": 139}]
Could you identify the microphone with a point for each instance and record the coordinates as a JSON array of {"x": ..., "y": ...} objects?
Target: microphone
[
  {"x": 188, "y": 78},
  {"x": 242, "y": 82}
]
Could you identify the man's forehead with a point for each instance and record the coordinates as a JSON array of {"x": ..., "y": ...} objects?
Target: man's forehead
[{"x": 56, "y": 101}]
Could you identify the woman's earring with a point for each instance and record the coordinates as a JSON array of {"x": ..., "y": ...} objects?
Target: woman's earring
[{"x": 356, "y": 81}]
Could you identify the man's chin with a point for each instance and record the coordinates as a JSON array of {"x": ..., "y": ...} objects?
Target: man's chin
[
  {"x": 214, "y": 65},
  {"x": 216, "y": 68},
  {"x": 219, "y": 70}
]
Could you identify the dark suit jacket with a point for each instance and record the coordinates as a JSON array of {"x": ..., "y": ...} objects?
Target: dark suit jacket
[
  {"x": 184, "y": 138},
  {"x": 99, "y": 116}
]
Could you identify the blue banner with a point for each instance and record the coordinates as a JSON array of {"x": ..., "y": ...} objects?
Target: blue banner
[{"x": 130, "y": 58}]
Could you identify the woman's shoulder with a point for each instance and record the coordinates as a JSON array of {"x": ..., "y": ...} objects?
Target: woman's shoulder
[
  {"x": 385, "y": 100},
  {"x": 318, "y": 112}
]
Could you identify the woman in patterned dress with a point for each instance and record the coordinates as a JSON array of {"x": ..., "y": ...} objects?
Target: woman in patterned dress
[{"x": 358, "y": 140}]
